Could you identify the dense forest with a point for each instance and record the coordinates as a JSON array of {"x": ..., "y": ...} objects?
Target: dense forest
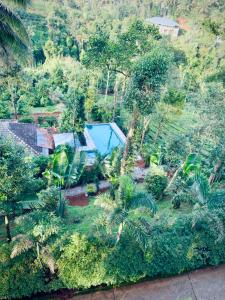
[{"x": 101, "y": 61}]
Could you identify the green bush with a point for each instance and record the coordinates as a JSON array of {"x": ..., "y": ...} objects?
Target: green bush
[
  {"x": 35, "y": 185},
  {"x": 182, "y": 198},
  {"x": 26, "y": 119},
  {"x": 91, "y": 189},
  {"x": 41, "y": 120},
  {"x": 155, "y": 185},
  {"x": 82, "y": 263},
  {"x": 191, "y": 241},
  {"x": 176, "y": 202},
  {"x": 50, "y": 198},
  {"x": 21, "y": 276},
  {"x": 40, "y": 164},
  {"x": 51, "y": 121}
]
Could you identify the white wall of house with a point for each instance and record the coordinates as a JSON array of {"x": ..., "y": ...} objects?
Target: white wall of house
[
  {"x": 45, "y": 151},
  {"x": 166, "y": 30}
]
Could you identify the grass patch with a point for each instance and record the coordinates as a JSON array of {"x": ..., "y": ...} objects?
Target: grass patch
[
  {"x": 47, "y": 109},
  {"x": 81, "y": 218}
]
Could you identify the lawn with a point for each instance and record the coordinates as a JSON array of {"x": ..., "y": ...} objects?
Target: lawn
[
  {"x": 82, "y": 219},
  {"x": 47, "y": 109}
]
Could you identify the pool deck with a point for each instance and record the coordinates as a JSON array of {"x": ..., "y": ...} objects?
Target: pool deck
[{"x": 80, "y": 190}]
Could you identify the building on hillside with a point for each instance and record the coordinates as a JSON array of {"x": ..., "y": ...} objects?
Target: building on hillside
[
  {"x": 101, "y": 138},
  {"x": 166, "y": 26},
  {"x": 36, "y": 140}
]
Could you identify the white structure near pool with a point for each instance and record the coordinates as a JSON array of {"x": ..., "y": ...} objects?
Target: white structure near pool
[{"x": 99, "y": 137}]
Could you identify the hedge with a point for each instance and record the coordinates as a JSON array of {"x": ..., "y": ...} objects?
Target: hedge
[{"x": 175, "y": 246}]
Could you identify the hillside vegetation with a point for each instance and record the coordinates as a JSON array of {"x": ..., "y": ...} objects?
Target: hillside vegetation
[{"x": 100, "y": 61}]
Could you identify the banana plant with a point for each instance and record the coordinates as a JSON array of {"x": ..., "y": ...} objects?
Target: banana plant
[
  {"x": 65, "y": 169},
  {"x": 191, "y": 164}
]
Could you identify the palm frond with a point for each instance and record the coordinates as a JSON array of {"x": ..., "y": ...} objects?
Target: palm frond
[
  {"x": 138, "y": 234},
  {"x": 43, "y": 231},
  {"x": 76, "y": 168},
  {"x": 22, "y": 3},
  {"x": 31, "y": 204},
  {"x": 10, "y": 41},
  {"x": 22, "y": 244},
  {"x": 8, "y": 18},
  {"x": 60, "y": 163},
  {"x": 48, "y": 259},
  {"x": 117, "y": 216},
  {"x": 143, "y": 200},
  {"x": 105, "y": 202},
  {"x": 202, "y": 187}
]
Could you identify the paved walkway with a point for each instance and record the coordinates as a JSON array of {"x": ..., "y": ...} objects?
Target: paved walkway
[{"x": 207, "y": 284}]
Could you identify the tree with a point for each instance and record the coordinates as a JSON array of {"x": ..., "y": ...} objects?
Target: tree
[
  {"x": 73, "y": 119},
  {"x": 66, "y": 168},
  {"x": 143, "y": 90},
  {"x": 118, "y": 55},
  {"x": 13, "y": 35},
  {"x": 126, "y": 201},
  {"x": 15, "y": 173},
  {"x": 39, "y": 229}
]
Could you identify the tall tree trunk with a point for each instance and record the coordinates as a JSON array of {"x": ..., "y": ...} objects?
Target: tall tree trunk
[
  {"x": 120, "y": 230},
  {"x": 158, "y": 132},
  {"x": 123, "y": 92},
  {"x": 14, "y": 105},
  {"x": 146, "y": 123},
  {"x": 107, "y": 85},
  {"x": 128, "y": 141},
  {"x": 7, "y": 227},
  {"x": 173, "y": 179},
  {"x": 216, "y": 169},
  {"x": 115, "y": 99}
]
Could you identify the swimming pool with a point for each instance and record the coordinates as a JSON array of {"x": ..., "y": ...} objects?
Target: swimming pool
[{"x": 105, "y": 137}]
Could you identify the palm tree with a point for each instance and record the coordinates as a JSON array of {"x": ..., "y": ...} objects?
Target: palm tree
[
  {"x": 119, "y": 211},
  {"x": 13, "y": 35},
  {"x": 38, "y": 229}
]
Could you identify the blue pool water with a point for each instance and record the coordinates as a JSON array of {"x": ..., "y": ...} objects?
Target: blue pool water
[{"x": 104, "y": 138}]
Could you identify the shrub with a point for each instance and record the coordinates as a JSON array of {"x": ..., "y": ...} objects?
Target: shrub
[
  {"x": 82, "y": 263},
  {"x": 40, "y": 164},
  {"x": 35, "y": 185},
  {"x": 50, "y": 197},
  {"x": 189, "y": 242},
  {"x": 91, "y": 189},
  {"x": 26, "y": 119},
  {"x": 20, "y": 276},
  {"x": 155, "y": 185},
  {"x": 41, "y": 120},
  {"x": 51, "y": 120},
  {"x": 182, "y": 198},
  {"x": 176, "y": 202},
  {"x": 216, "y": 199}
]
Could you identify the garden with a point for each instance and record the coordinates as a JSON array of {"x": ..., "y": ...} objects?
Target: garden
[{"x": 152, "y": 205}]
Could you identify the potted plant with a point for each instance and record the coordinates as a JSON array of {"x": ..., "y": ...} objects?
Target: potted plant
[{"x": 91, "y": 189}]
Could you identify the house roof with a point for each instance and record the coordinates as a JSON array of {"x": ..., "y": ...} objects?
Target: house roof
[
  {"x": 45, "y": 138},
  {"x": 29, "y": 135},
  {"x": 163, "y": 21}
]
